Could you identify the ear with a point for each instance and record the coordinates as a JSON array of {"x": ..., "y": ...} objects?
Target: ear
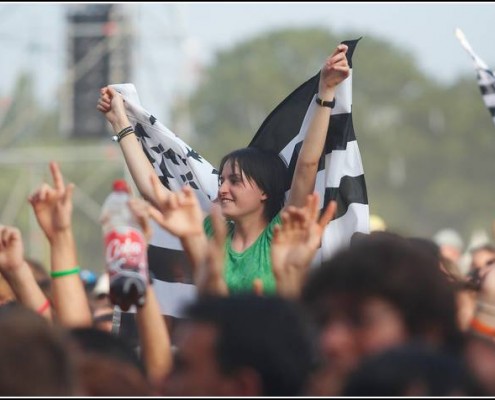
[
  {"x": 264, "y": 196},
  {"x": 246, "y": 382}
]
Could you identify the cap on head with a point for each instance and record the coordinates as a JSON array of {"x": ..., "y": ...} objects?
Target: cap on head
[{"x": 449, "y": 237}]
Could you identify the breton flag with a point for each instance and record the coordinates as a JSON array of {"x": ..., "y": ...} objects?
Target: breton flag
[
  {"x": 340, "y": 176},
  {"x": 486, "y": 78}
]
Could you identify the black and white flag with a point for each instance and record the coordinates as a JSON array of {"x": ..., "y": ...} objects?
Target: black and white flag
[
  {"x": 486, "y": 77},
  {"x": 340, "y": 175}
]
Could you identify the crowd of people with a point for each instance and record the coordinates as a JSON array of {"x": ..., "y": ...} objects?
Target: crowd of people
[{"x": 386, "y": 316}]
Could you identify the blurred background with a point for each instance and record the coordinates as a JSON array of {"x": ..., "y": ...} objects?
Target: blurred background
[{"x": 212, "y": 72}]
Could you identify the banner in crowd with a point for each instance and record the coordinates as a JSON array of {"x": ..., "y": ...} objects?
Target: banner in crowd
[{"x": 340, "y": 176}]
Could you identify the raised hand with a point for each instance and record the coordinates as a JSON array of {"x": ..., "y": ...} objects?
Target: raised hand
[
  {"x": 210, "y": 275},
  {"x": 295, "y": 242},
  {"x": 18, "y": 274},
  {"x": 177, "y": 212},
  {"x": 334, "y": 71},
  {"x": 53, "y": 205},
  {"x": 11, "y": 250},
  {"x": 111, "y": 104}
]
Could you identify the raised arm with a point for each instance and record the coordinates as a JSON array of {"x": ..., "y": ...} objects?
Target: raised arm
[
  {"x": 53, "y": 209},
  {"x": 156, "y": 350},
  {"x": 334, "y": 71},
  {"x": 111, "y": 104},
  {"x": 18, "y": 274}
]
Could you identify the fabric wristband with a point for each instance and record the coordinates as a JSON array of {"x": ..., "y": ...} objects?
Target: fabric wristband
[
  {"x": 480, "y": 327},
  {"x": 43, "y": 307},
  {"x": 65, "y": 272}
]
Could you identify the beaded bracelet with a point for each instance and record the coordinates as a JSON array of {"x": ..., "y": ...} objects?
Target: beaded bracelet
[{"x": 58, "y": 274}]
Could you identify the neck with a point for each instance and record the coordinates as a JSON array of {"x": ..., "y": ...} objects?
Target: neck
[{"x": 246, "y": 231}]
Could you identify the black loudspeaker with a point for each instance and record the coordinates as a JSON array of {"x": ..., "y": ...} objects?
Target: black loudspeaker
[{"x": 91, "y": 28}]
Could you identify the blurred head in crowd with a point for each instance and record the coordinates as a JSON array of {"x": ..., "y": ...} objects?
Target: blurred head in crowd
[
  {"x": 482, "y": 257},
  {"x": 36, "y": 358},
  {"x": 242, "y": 346},
  {"x": 412, "y": 370},
  {"x": 380, "y": 293},
  {"x": 108, "y": 365},
  {"x": 450, "y": 243}
]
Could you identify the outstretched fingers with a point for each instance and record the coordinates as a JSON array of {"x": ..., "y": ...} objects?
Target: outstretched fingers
[
  {"x": 158, "y": 192},
  {"x": 219, "y": 226},
  {"x": 328, "y": 214},
  {"x": 58, "y": 179}
]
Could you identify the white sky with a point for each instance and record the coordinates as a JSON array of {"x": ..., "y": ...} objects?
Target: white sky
[{"x": 32, "y": 36}]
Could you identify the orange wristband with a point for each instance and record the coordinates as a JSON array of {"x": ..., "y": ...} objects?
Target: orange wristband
[
  {"x": 480, "y": 327},
  {"x": 43, "y": 307}
]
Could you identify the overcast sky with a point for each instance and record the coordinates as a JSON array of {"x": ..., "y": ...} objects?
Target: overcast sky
[{"x": 33, "y": 35}]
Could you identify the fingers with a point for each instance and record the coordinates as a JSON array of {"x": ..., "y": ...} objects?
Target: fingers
[
  {"x": 340, "y": 49},
  {"x": 112, "y": 91},
  {"x": 188, "y": 196},
  {"x": 141, "y": 210},
  {"x": 58, "y": 179},
  {"x": 328, "y": 214},
  {"x": 312, "y": 203},
  {"x": 155, "y": 213},
  {"x": 218, "y": 224},
  {"x": 104, "y": 105},
  {"x": 43, "y": 193},
  {"x": 158, "y": 191},
  {"x": 69, "y": 190},
  {"x": 8, "y": 234},
  {"x": 258, "y": 287}
]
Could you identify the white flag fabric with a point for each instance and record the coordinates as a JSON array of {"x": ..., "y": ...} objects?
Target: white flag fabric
[
  {"x": 486, "y": 77},
  {"x": 340, "y": 176}
]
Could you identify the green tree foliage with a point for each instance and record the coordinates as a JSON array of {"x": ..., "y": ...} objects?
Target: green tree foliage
[{"x": 427, "y": 149}]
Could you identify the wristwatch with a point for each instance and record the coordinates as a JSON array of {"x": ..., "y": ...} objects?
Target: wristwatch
[{"x": 329, "y": 104}]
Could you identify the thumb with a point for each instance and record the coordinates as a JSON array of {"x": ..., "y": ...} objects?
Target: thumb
[
  {"x": 111, "y": 91},
  {"x": 258, "y": 287}
]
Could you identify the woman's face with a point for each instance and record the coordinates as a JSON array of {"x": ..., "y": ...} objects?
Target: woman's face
[{"x": 238, "y": 196}]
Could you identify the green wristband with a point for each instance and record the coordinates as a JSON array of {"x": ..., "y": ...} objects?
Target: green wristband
[{"x": 58, "y": 274}]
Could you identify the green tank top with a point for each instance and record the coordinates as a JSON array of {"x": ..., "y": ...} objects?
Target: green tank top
[{"x": 241, "y": 269}]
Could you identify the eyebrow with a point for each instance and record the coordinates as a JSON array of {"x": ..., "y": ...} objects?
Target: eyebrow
[{"x": 231, "y": 176}]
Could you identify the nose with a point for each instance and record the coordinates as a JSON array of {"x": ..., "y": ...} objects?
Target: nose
[
  {"x": 223, "y": 188},
  {"x": 338, "y": 343}
]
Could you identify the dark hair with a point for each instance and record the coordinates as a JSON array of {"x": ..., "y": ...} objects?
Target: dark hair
[
  {"x": 388, "y": 266},
  {"x": 268, "y": 334},
  {"x": 95, "y": 341},
  {"x": 267, "y": 170},
  {"x": 35, "y": 357},
  {"x": 412, "y": 370}
]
